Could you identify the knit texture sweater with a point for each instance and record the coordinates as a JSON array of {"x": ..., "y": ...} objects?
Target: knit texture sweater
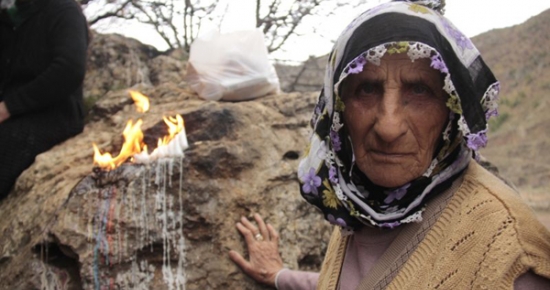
[{"x": 482, "y": 237}]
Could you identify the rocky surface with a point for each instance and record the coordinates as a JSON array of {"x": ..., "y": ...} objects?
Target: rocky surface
[
  {"x": 116, "y": 62},
  {"x": 168, "y": 224},
  {"x": 306, "y": 77}
]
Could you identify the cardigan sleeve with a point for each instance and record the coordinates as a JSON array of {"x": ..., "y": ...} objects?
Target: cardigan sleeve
[
  {"x": 296, "y": 280},
  {"x": 68, "y": 37}
]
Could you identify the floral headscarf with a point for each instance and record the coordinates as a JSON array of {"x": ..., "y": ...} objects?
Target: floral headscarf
[{"x": 328, "y": 175}]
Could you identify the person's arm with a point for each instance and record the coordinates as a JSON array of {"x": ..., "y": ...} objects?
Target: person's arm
[
  {"x": 296, "y": 280},
  {"x": 65, "y": 73}
]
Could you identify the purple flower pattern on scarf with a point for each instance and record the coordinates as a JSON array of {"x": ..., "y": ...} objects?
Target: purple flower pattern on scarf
[
  {"x": 336, "y": 221},
  {"x": 397, "y": 194},
  {"x": 317, "y": 110},
  {"x": 478, "y": 140},
  {"x": 438, "y": 64},
  {"x": 335, "y": 140},
  {"x": 356, "y": 65},
  {"x": 311, "y": 182},
  {"x": 390, "y": 225},
  {"x": 490, "y": 113},
  {"x": 332, "y": 175},
  {"x": 461, "y": 40},
  {"x": 490, "y": 103}
]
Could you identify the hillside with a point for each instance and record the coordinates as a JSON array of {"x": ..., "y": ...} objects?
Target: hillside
[{"x": 520, "y": 137}]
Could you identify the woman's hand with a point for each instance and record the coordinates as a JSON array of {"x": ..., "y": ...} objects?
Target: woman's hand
[
  {"x": 263, "y": 251},
  {"x": 4, "y": 113}
]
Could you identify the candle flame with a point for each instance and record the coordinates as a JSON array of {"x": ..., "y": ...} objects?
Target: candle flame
[
  {"x": 133, "y": 143},
  {"x": 133, "y": 136},
  {"x": 141, "y": 101}
]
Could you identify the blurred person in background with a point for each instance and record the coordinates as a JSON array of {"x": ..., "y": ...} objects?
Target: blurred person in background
[
  {"x": 43, "y": 47},
  {"x": 392, "y": 164}
]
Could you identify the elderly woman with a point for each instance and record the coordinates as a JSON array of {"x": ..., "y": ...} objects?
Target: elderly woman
[{"x": 391, "y": 163}]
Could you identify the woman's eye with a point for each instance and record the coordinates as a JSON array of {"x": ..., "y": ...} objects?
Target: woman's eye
[
  {"x": 420, "y": 89},
  {"x": 368, "y": 88}
]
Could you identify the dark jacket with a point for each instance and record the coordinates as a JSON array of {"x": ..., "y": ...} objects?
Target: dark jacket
[
  {"x": 42, "y": 61},
  {"x": 43, "y": 47}
]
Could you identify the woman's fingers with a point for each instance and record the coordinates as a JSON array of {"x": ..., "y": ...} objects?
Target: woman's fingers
[
  {"x": 262, "y": 226},
  {"x": 246, "y": 232},
  {"x": 259, "y": 233},
  {"x": 274, "y": 236},
  {"x": 249, "y": 225},
  {"x": 264, "y": 260},
  {"x": 247, "y": 266},
  {"x": 238, "y": 259}
]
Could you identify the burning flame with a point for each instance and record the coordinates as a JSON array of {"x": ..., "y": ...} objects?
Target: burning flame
[
  {"x": 133, "y": 137},
  {"x": 175, "y": 125},
  {"x": 133, "y": 143},
  {"x": 140, "y": 100}
]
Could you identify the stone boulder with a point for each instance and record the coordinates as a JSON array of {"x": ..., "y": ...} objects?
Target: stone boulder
[
  {"x": 304, "y": 77},
  {"x": 168, "y": 224},
  {"x": 116, "y": 62}
]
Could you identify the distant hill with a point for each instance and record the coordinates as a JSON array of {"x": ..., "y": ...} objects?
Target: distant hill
[{"x": 519, "y": 139}]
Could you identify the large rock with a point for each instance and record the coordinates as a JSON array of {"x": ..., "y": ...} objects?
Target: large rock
[
  {"x": 168, "y": 224},
  {"x": 116, "y": 62},
  {"x": 305, "y": 77}
]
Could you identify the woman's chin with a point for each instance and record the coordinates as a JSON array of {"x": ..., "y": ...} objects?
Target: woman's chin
[{"x": 392, "y": 176}]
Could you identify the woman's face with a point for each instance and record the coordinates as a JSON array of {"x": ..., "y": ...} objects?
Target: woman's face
[{"x": 395, "y": 114}]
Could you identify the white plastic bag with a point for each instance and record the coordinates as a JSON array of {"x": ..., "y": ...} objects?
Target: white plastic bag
[{"x": 231, "y": 67}]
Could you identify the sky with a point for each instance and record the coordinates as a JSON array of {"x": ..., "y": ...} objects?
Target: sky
[{"x": 472, "y": 17}]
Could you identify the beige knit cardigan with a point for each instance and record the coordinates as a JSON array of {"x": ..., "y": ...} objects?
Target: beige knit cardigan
[{"x": 479, "y": 236}]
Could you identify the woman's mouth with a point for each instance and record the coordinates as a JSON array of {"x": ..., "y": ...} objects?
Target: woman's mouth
[{"x": 388, "y": 156}]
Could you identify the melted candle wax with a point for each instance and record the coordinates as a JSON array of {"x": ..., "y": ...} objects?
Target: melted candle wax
[
  {"x": 165, "y": 155},
  {"x": 174, "y": 148},
  {"x": 164, "y": 216}
]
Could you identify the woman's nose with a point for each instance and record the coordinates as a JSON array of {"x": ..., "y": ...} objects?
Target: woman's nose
[{"x": 390, "y": 123}]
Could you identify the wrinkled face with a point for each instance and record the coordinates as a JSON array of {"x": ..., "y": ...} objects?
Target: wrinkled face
[{"x": 395, "y": 114}]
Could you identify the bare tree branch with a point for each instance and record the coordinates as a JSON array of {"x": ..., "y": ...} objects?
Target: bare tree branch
[
  {"x": 279, "y": 23},
  {"x": 178, "y": 22},
  {"x": 117, "y": 13}
]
